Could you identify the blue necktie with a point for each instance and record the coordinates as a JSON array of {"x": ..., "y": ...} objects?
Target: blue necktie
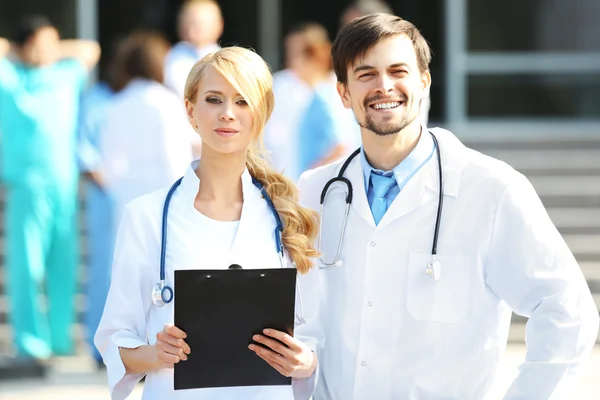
[{"x": 381, "y": 186}]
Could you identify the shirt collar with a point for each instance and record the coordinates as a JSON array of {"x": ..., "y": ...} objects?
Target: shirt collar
[{"x": 413, "y": 161}]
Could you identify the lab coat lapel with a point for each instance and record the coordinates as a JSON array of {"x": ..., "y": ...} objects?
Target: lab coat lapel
[
  {"x": 424, "y": 185},
  {"x": 360, "y": 204},
  {"x": 411, "y": 196}
]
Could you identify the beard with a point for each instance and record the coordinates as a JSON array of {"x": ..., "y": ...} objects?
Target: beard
[{"x": 386, "y": 128}]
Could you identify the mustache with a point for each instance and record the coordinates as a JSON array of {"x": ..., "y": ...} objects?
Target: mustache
[{"x": 379, "y": 97}]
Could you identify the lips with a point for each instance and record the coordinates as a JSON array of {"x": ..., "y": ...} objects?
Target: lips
[{"x": 226, "y": 131}]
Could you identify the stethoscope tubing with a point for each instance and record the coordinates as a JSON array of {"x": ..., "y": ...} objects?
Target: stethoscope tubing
[
  {"x": 163, "y": 294},
  {"x": 349, "y": 194}
]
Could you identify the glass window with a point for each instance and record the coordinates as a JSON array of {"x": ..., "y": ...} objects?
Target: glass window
[
  {"x": 548, "y": 96},
  {"x": 533, "y": 25}
]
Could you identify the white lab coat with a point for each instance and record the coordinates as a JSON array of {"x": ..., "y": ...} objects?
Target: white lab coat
[
  {"x": 145, "y": 142},
  {"x": 130, "y": 317},
  {"x": 394, "y": 333}
]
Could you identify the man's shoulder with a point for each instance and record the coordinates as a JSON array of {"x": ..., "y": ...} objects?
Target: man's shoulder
[
  {"x": 312, "y": 182},
  {"x": 473, "y": 162}
]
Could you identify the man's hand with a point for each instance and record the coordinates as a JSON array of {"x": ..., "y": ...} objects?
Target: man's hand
[
  {"x": 86, "y": 51},
  {"x": 292, "y": 358},
  {"x": 4, "y": 47}
]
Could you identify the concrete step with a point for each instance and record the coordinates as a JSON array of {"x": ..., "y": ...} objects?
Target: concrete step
[
  {"x": 591, "y": 270},
  {"x": 549, "y": 159},
  {"x": 566, "y": 185},
  {"x": 572, "y": 201},
  {"x": 566, "y": 217},
  {"x": 583, "y": 244}
]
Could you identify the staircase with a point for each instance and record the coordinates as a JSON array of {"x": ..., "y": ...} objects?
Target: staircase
[{"x": 566, "y": 175}]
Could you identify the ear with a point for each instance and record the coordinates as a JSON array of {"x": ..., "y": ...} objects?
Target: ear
[
  {"x": 426, "y": 82},
  {"x": 189, "y": 108},
  {"x": 344, "y": 95}
]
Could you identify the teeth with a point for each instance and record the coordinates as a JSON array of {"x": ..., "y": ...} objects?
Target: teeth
[{"x": 383, "y": 106}]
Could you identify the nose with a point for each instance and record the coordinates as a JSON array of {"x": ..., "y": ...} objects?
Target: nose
[
  {"x": 385, "y": 84},
  {"x": 227, "y": 114}
]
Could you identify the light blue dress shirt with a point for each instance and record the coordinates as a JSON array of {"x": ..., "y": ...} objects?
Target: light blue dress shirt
[{"x": 403, "y": 171}]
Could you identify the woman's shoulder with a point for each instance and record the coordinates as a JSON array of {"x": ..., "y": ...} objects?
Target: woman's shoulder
[{"x": 147, "y": 209}]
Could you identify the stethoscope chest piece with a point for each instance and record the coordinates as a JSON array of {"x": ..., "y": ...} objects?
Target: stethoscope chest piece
[
  {"x": 434, "y": 270},
  {"x": 162, "y": 294}
]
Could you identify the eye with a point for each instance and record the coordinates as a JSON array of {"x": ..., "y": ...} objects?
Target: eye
[
  {"x": 213, "y": 100},
  {"x": 400, "y": 71},
  {"x": 242, "y": 102},
  {"x": 367, "y": 75}
]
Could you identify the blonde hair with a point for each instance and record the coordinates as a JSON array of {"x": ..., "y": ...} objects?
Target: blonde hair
[{"x": 252, "y": 78}]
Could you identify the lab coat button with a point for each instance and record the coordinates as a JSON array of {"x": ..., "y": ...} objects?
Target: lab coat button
[
  {"x": 370, "y": 303},
  {"x": 373, "y": 244},
  {"x": 364, "y": 363}
]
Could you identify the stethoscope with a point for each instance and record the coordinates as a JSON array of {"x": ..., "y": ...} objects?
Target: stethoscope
[
  {"x": 163, "y": 294},
  {"x": 433, "y": 269}
]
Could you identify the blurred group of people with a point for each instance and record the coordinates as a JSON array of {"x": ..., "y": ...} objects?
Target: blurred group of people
[{"x": 127, "y": 135}]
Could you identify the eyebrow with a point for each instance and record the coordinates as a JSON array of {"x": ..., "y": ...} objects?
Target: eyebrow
[
  {"x": 364, "y": 67},
  {"x": 219, "y": 93}
]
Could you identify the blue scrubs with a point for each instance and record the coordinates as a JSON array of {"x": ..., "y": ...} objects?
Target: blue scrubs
[
  {"x": 38, "y": 123},
  {"x": 98, "y": 215}
]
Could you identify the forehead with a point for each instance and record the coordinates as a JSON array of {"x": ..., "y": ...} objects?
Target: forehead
[
  {"x": 200, "y": 11},
  {"x": 212, "y": 79},
  {"x": 388, "y": 51}
]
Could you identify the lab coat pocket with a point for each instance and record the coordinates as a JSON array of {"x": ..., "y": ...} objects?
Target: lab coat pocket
[{"x": 443, "y": 301}]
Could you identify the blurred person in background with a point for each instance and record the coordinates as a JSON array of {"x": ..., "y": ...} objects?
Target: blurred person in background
[
  {"x": 200, "y": 25},
  {"x": 295, "y": 142},
  {"x": 360, "y": 8},
  {"x": 98, "y": 215},
  {"x": 145, "y": 142},
  {"x": 41, "y": 80}
]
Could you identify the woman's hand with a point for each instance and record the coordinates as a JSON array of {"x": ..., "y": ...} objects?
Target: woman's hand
[
  {"x": 170, "y": 346},
  {"x": 294, "y": 359}
]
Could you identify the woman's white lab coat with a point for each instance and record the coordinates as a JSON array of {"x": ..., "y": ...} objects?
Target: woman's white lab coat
[
  {"x": 145, "y": 142},
  {"x": 130, "y": 317},
  {"x": 392, "y": 332}
]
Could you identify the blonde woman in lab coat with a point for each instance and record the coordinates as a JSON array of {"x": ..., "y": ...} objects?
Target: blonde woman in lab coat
[{"x": 217, "y": 217}]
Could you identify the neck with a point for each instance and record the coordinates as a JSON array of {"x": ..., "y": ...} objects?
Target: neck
[
  {"x": 386, "y": 152},
  {"x": 220, "y": 177},
  {"x": 200, "y": 46}
]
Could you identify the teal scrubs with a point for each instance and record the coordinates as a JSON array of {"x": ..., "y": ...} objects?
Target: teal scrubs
[{"x": 38, "y": 124}]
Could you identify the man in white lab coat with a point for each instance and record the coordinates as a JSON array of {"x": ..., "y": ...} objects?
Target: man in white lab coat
[{"x": 408, "y": 316}]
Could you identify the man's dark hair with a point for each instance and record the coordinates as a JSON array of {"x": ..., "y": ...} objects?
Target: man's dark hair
[
  {"x": 359, "y": 36},
  {"x": 144, "y": 55},
  {"x": 28, "y": 26}
]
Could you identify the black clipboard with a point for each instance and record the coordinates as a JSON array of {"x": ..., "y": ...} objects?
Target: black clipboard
[{"x": 220, "y": 311}]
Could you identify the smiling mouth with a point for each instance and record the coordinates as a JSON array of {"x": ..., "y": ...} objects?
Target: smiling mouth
[{"x": 386, "y": 106}]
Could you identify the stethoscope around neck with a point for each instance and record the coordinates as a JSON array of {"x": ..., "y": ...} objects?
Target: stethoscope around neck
[
  {"x": 433, "y": 269},
  {"x": 163, "y": 294}
]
